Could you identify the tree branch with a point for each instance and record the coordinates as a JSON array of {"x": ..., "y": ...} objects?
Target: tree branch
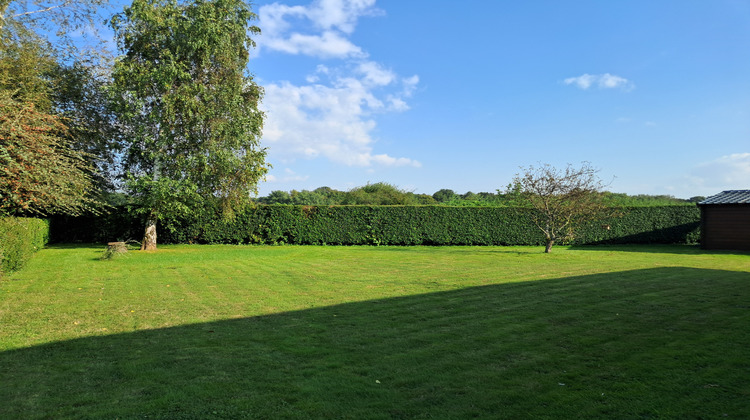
[{"x": 41, "y": 10}]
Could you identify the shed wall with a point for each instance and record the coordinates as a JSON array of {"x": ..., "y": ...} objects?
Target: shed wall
[{"x": 725, "y": 227}]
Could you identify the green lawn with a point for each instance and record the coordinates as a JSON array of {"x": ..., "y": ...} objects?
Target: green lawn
[{"x": 231, "y": 332}]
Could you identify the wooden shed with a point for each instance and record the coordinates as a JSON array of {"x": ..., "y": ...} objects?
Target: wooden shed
[{"x": 725, "y": 220}]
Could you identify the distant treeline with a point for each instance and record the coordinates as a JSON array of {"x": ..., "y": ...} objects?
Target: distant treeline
[{"x": 386, "y": 194}]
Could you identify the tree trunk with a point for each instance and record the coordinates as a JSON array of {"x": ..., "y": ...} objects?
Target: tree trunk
[
  {"x": 548, "y": 248},
  {"x": 149, "y": 237}
]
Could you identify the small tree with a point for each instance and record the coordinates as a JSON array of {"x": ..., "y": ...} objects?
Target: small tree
[{"x": 563, "y": 200}]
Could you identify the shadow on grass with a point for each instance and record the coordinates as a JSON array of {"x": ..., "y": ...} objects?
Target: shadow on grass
[
  {"x": 657, "y": 343},
  {"x": 647, "y": 248}
]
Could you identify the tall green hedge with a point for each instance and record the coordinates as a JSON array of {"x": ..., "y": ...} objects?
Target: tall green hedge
[
  {"x": 20, "y": 238},
  {"x": 386, "y": 225},
  {"x": 646, "y": 225}
]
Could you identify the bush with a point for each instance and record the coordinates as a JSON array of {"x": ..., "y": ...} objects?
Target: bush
[{"x": 20, "y": 238}]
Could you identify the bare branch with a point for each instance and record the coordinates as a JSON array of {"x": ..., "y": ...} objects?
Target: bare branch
[{"x": 66, "y": 3}]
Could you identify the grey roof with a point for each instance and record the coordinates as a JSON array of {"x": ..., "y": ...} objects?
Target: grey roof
[{"x": 729, "y": 197}]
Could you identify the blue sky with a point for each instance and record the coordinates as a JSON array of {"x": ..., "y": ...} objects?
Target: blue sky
[
  {"x": 444, "y": 94},
  {"x": 439, "y": 94}
]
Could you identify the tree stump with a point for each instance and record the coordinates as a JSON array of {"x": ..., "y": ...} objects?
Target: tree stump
[{"x": 116, "y": 248}]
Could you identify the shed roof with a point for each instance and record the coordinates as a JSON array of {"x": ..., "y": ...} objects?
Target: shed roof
[{"x": 728, "y": 197}]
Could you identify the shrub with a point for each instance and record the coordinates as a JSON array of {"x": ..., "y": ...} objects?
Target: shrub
[{"x": 20, "y": 238}]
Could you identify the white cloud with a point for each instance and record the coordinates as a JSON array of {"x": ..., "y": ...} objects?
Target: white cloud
[
  {"x": 375, "y": 74},
  {"x": 333, "y": 120},
  {"x": 410, "y": 84},
  {"x": 583, "y": 82},
  {"x": 326, "y": 45},
  {"x": 333, "y": 115},
  {"x": 602, "y": 81},
  {"x": 391, "y": 161},
  {"x": 340, "y": 14},
  {"x": 724, "y": 173},
  {"x": 397, "y": 104},
  {"x": 318, "y": 30},
  {"x": 290, "y": 176},
  {"x": 609, "y": 81}
]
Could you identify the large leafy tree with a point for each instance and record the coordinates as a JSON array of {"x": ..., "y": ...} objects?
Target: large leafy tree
[
  {"x": 191, "y": 104},
  {"x": 563, "y": 199}
]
